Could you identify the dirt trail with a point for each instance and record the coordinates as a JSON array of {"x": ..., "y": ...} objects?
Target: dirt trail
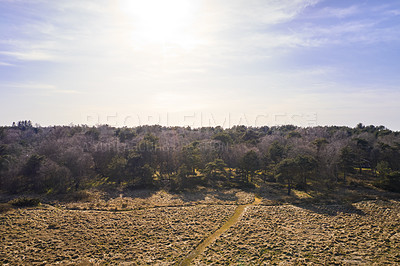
[{"x": 209, "y": 240}]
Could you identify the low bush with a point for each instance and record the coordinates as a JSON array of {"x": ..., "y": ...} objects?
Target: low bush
[
  {"x": 25, "y": 202},
  {"x": 389, "y": 181},
  {"x": 78, "y": 196},
  {"x": 5, "y": 207}
]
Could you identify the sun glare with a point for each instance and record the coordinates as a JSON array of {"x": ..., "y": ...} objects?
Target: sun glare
[{"x": 161, "y": 21}]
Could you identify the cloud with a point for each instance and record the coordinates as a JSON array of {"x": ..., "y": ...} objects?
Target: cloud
[
  {"x": 54, "y": 31},
  {"x": 246, "y": 14},
  {"x": 334, "y": 12},
  {"x": 5, "y": 64},
  {"x": 394, "y": 12},
  {"x": 89, "y": 32},
  {"x": 67, "y": 91},
  {"x": 38, "y": 87},
  {"x": 30, "y": 55},
  {"x": 366, "y": 24},
  {"x": 29, "y": 85}
]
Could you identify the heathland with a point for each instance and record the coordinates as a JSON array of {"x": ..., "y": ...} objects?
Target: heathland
[{"x": 175, "y": 195}]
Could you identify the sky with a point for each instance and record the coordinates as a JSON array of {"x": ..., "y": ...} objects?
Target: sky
[{"x": 200, "y": 62}]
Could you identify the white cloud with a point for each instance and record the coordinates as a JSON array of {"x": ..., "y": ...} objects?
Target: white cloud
[
  {"x": 30, "y": 55},
  {"x": 5, "y": 64},
  {"x": 29, "y": 85},
  {"x": 38, "y": 87},
  {"x": 244, "y": 14},
  {"x": 332, "y": 12}
]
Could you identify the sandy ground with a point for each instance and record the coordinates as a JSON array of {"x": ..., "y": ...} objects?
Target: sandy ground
[
  {"x": 361, "y": 233},
  {"x": 151, "y": 236}
]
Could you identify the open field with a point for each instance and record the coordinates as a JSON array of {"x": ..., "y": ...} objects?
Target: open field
[
  {"x": 51, "y": 235},
  {"x": 163, "y": 228},
  {"x": 361, "y": 233}
]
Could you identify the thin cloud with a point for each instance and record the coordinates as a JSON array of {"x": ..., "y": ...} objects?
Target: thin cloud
[
  {"x": 6, "y": 64},
  {"x": 29, "y": 85},
  {"x": 37, "y": 87},
  {"x": 331, "y": 12},
  {"x": 30, "y": 55},
  {"x": 67, "y": 91}
]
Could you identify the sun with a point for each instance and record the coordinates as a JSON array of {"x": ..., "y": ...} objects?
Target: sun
[{"x": 161, "y": 21}]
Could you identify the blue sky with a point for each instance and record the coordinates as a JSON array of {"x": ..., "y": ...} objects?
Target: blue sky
[{"x": 200, "y": 63}]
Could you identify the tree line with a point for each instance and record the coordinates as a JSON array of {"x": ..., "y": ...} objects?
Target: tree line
[{"x": 61, "y": 159}]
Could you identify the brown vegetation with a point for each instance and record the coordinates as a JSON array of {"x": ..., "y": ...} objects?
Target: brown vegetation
[
  {"x": 163, "y": 228},
  {"x": 50, "y": 235},
  {"x": 360, "y": 233},
  {"x": 151, "y": 195}
]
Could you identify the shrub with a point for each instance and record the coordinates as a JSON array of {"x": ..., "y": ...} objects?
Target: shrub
[
  {"x": 53, "y": 225},
  {"x": 390, "y": 181},
  {"x": 78, "y": 196},
  {"x": 301, "y": 186},
  {"x": 5, "y": 207},
  {"x": 25, "y": 202}
]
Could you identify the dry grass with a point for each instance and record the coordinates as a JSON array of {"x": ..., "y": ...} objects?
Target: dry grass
[
  {"x": 157, "y": 235},
  {"x": 361, "y": 233},
  {"x": 131, "y": 200},
  {"x": 144, "y": 227}
]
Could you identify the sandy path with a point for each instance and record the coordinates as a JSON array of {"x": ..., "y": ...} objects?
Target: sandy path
[{"x": 209, "y": 240}]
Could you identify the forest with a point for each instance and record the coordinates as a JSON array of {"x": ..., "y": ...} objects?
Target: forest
[{"x": 58, "y": 160}]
